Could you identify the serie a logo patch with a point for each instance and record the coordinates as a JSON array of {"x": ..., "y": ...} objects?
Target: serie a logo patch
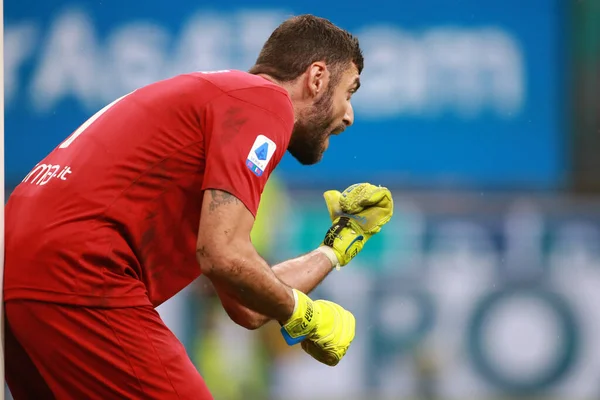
[{"x": 260, "y": 154}]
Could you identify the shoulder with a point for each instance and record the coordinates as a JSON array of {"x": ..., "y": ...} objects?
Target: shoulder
[{"x": 252, "y": 91}]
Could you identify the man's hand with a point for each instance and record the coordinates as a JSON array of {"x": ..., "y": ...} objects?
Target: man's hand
[
  {"x": 357, "y": 213},
  {"x": 324, "y": 329}
]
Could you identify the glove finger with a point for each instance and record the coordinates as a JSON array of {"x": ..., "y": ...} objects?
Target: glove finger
[
  {"x": 384, "y": 213},
  {"x": 358, "y": 197},
  {"x": 377, "y": 224},
  {"x": 319, "y": 354},
  {"x": 374, "y": 197},
  {"x": 353, "y": 193},
  {"x": 332, "y": 200}
]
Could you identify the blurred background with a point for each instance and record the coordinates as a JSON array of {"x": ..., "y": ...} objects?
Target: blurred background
[{"x": 482, "y": 116}]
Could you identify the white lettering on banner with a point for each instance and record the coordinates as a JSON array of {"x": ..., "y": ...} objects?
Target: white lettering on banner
[
  {"x": 136, "y": 53},
  {"x": 458, "y": 70},
  {"x": 206, "y": 43},
  {"x": 41, "y": 174},
  {"x": 68, "y": 63},
  {"x": 19, "y": 42},
  {"x": 465, "y": 71}
]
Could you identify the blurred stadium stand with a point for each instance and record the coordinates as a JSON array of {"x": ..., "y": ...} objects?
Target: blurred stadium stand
[{"x": 482, "y": 117}]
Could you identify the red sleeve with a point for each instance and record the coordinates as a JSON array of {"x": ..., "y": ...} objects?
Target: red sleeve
[{"x": 244, "y": 142}]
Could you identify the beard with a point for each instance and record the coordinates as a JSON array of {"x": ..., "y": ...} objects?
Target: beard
[{"x": 311, "y": 131}]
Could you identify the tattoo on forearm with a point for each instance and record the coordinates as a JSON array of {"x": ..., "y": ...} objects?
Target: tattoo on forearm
[{"x": 220, "y": 198}]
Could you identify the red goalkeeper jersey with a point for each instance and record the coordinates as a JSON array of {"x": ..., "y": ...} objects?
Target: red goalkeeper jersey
[{"x": 110, "y": 217}]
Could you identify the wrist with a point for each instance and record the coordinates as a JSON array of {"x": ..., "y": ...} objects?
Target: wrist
[
  {"x": 294, "y": 310},
  {"x": 330, "y": 254},
  {"x": 303, "y": 320}
]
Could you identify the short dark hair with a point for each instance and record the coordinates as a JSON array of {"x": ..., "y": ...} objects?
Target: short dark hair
[{"x": 302, "y": 40}]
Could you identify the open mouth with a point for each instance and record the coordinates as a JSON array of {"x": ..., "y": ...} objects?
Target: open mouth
[{"x": 337, "y": 131}]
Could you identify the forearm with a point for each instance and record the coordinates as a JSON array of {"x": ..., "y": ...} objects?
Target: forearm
[
  {"x": 303, "y": 273},
  {"x": 249, "y": 279}
]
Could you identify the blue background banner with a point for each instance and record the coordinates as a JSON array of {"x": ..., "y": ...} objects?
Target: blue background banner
[{"x": 454, "y": 92}]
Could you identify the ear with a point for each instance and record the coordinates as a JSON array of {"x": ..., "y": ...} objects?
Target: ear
[{"x": 318, "y": 76}]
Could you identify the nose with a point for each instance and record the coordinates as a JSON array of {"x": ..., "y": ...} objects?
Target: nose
[{"x": 349, "y": 116}]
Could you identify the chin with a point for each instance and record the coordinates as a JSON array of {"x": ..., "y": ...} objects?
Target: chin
[{"x": 308, "y": 159}]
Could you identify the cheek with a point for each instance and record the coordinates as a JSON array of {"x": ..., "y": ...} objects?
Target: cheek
[{"x": 339, "y": 108}]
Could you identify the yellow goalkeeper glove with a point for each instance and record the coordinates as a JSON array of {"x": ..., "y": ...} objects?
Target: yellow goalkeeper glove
[
  {"x": 357, "y": 213},
  {"x": 324, "y": 329}
]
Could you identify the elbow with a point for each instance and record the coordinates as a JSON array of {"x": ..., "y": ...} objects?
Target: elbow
[
  {"x": 221, "y": 260},
  {"x": 211, "y": 264},
  {"x": 242, "y": 316},
  {"x": 220, "y": 268},
  {"x": 248, "y": 322}
]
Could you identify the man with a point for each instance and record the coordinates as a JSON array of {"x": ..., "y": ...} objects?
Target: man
[{"x": 116, "y": 219}]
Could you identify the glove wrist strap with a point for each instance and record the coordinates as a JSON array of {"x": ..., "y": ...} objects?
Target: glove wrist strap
[
  {"x": 295, "y": 304},
  {"x": 328, "y": 251},
  {"x": 297, "y": 328}
]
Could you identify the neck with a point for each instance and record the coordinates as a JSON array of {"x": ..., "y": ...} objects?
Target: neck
[{"x": 291, "y": 88}]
